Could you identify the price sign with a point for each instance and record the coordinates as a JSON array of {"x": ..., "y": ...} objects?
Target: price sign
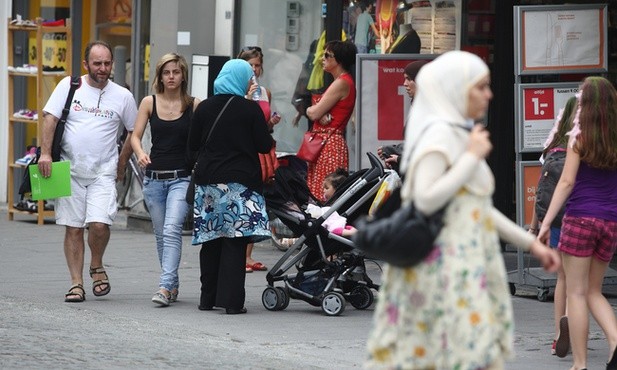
[
  {"x": 53, "y": 53},
  {"x": 538, "y": 110},
  {"x": 539, "y": 104}
]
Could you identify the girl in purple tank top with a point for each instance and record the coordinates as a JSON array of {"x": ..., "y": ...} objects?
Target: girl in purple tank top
[{"x": 589, "y": 228}]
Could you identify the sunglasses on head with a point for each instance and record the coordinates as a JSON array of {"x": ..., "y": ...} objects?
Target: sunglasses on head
[{"x": 251, "y": 48}]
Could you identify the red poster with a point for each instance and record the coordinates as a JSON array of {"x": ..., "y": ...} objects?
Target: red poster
[
  {"x": 391, "y": 99},
  {"x": 539, "y": 104},
  {"x": 531, "y": 175}
]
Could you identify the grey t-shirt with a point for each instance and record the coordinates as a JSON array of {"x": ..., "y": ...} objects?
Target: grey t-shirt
[{"x": 362, "y": 26}]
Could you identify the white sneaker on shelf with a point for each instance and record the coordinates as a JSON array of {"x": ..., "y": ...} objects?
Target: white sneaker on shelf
[
  {"x": 27, "y": 114},
  {"x": 27, "y": 68}
]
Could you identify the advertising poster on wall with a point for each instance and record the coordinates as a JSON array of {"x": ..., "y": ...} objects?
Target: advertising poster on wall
[
  {"x": 538, "y": 109},
  {"x": 528, "y": 175},
  {"x": 562, "y": 38},
  {"x": 382, "y": 104}
]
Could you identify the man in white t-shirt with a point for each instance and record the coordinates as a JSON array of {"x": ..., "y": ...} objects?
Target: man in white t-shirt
[{"x": 99, "y": 110}]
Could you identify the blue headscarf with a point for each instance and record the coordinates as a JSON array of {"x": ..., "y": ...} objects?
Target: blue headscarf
[{"x": 233, "y": 78}]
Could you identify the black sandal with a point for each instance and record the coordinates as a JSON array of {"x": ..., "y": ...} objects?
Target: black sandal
[
  {"x": 97, "y": 283},
  {"x": 76, "y": 294}
]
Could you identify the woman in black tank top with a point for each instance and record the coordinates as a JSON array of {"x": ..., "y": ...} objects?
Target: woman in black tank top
[{"x": 167, "y": 166}]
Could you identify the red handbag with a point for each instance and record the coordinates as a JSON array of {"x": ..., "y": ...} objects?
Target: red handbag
[
  {"x": 311, "y": 146},
  {"x": 269, "y": 164}
]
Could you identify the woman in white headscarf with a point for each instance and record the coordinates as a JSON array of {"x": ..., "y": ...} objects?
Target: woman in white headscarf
[{"x": 453, "y": 310}]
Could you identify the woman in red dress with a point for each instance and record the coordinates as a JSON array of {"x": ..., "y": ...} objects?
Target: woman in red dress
[{"x": 331, "y": 113}]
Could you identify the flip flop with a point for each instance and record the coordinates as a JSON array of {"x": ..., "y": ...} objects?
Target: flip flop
[
  {"x": 258, "y": 266},
  {"x": 248, "y": 268}
]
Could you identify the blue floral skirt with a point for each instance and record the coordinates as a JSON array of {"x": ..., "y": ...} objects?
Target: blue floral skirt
[{"x": 229, "y": 211}]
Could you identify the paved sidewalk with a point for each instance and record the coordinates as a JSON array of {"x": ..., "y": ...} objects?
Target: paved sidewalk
[{"x": 125, "y": 330}]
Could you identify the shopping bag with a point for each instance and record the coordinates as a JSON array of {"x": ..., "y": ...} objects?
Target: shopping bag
[
  {"x": 390, "y": 183},
  {"x": 269, "y": 163}
]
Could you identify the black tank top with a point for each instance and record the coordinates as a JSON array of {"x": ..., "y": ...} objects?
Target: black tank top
[{"x": 169, "y": 140}]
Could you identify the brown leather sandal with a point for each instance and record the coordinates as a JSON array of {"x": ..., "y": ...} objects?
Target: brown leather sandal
[
  {"x": 75, "y": 294},
  {"x": 98, "y": 283}
]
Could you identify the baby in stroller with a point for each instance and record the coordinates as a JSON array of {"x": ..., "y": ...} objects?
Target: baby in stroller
[
  {"x": 336, "y": 223},
  {"x": 330, "y": 271}
]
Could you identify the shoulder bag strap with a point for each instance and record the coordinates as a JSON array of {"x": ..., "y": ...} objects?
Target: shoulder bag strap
[
  {"x": 324, "y": 141},
  {"x": 216, "y": 121},
  {"x": 75, "y": 84},
  {"x": 203, "y": 145},
  {"x": 56, "y": 145}
]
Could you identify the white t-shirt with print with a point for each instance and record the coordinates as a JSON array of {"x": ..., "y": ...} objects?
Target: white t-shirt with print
[{"x": 93, "y": 126}]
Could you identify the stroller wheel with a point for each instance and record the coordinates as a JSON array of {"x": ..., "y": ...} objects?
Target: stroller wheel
[
  {"x": 333, "y": 304},
  {"x": 361, "y": 297},
  {"x": 284, "y": 298},
  {"x": 272, "y": 299}
]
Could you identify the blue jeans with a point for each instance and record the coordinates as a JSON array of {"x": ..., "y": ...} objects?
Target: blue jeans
[{"x": 168, "y": 208}]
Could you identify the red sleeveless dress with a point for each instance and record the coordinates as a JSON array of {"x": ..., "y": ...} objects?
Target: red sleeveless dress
[{"x": 335, "y": 153}]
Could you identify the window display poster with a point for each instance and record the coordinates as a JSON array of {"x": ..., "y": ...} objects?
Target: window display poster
[
  {"x": 531, "y": 175},
  {"x": 563, "y": 39},
  {"x": 383, "y": 103},
  {"x": 540, "y": 109},
  {"x": 392, "y": 100}
]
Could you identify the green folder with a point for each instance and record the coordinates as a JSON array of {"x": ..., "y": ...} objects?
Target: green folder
[{"x": 55, "y": 186}]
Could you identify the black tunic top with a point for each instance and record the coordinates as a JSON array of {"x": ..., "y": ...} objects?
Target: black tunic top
[{"x": 231, "y": 153}]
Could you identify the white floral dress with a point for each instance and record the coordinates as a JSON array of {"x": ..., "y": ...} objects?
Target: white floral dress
[{"x": 452, "y": 311}]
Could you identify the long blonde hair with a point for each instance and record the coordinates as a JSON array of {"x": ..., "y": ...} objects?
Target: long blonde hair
[{"x": 157, "y": 84}]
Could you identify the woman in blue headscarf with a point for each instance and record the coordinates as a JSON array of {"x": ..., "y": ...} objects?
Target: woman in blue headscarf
[{"x": 229, "y": 210}]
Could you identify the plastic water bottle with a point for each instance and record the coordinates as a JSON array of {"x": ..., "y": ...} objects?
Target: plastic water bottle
[{"x": 257, "y": 93}]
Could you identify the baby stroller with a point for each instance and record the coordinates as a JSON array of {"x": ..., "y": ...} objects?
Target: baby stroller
[{"x": 330, "y": 271}]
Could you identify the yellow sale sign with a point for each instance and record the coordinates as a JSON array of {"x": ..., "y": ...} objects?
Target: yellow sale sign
[{"x": 53, "y": 51}]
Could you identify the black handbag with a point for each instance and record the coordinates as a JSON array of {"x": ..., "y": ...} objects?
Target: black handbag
[
  {"x": 56, "y": 146},
  {"x": 190, "y": 191},
  {"x": 400, "y": 236}
]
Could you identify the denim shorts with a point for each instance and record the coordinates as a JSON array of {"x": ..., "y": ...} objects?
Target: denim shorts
[
  {"x": 555, "y": 234},
  {"x": 587, "y": 236}
]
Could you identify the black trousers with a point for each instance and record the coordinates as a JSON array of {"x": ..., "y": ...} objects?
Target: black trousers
[{"x": 223, "y": 271}]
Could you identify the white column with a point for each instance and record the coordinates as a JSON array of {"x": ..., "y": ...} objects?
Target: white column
[{"x": 5, "y": 13}]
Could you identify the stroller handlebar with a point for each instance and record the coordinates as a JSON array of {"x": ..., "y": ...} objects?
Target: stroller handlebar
[{"x": 376, "y": 171}]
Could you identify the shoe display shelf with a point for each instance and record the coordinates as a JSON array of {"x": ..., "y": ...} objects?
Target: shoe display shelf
[{"x": 45, "y": 79}]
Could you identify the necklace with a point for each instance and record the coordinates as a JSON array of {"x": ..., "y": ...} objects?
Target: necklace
[{"x": 172, "y": 107}]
